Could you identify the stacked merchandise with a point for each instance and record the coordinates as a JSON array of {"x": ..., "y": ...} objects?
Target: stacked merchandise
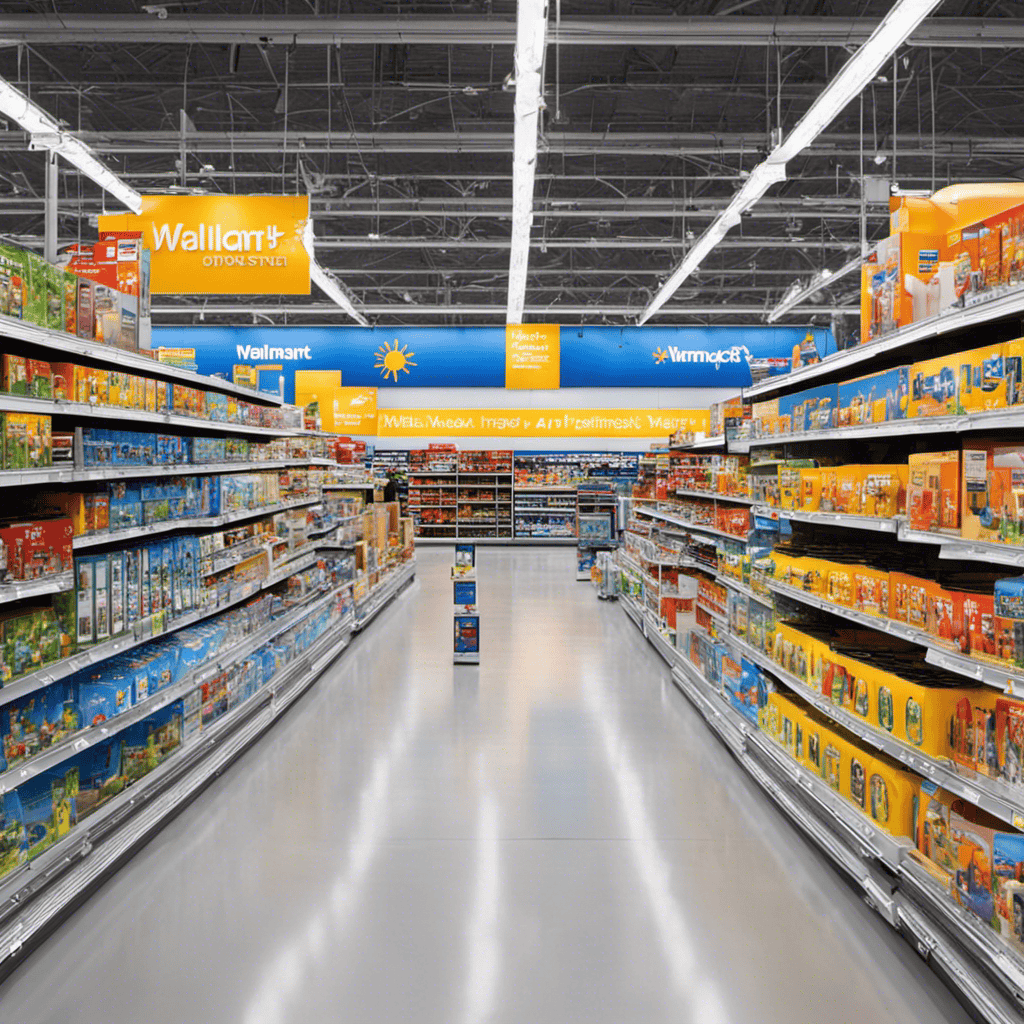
[
  {"x": 485, "y": 495},
  {"x": 546, "y": 483},
  {"x": 433, "y": 491}
]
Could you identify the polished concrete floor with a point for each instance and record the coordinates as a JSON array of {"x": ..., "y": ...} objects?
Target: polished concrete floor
[{"x": 552, "y": 838}]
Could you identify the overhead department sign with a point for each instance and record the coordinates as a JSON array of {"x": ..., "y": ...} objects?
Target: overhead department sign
[{"x": 222, "y": 245}]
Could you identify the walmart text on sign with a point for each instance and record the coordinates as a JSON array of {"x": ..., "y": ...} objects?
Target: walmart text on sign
[
  {"x": 619, "y": 423},
  {"x": 222, "y": 245}
]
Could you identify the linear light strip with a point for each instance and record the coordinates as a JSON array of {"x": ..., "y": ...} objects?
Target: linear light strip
[
  {"x": 531, "y": 42},
  {"x": 47, "y": 133},
  {"x": 891, "y": 33},
  {"x": 797, "y": 294}
]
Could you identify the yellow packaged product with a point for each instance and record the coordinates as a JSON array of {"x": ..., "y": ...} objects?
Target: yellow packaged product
[
  {"x": 885, "y": 491},
  {"x": 892, "y": 796},
  {"x": 829, "y": 487},
  {"x": 792, "y": 650},
  {"x": 933, "y": 492},
  {"x": 838, "y": 583},
  {"x": 789, "y": 487},
  {"x": 871, "y": 590},
  {"x": 98, "y": 386},
  {"x": 982, "y": 379}
]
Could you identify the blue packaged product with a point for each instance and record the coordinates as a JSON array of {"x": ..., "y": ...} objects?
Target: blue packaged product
[
  {"x": 35, "y": 722},
  {"x": 13, "y": 848},
  {"x": 1009, "y": 598},
  {"x": 875, "y": 398},
  {"x": 103, "y": 695},
  {"x": 125, "y": 505},
  {"x": 147, "y": 743}
]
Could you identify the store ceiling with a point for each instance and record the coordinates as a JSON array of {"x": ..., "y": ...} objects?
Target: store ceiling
[{"x": 394, "y": 117}]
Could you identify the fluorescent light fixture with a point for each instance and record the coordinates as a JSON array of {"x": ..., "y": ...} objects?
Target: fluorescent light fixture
[
  {"x": 892, "y": 31},
  {"x": 761, "y": 178},
  {"x": 328, "y": 283},
  {"x": 47, "y": 133},
  {"x": 330, "y": 287},
  {"x": 796, "y": 294},
  {"x": 531, "y": 42}
]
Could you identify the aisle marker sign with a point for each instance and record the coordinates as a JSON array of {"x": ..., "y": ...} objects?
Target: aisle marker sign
[
  {"x": 658, "y": 423},
  {"x": 222, "y": 245},
  {"x": 532, "y": 356}
]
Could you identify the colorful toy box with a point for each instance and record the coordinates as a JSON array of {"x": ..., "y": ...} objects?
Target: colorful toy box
[
  {"x": 876, "y": 398},
  {"x": 933, "y": 492},
  {"x": 26, "y": 440},
  {"x": 992, "y": 492},
  {"x": 983, "y": 379},
  {"x": 935, "y": 387}
]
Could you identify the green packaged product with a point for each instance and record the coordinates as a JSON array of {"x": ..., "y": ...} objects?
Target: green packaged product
[
  {"x": 12, "y": 280},
  {"x": 54, "y": 298},
  {"x": 37, "y": 279}
]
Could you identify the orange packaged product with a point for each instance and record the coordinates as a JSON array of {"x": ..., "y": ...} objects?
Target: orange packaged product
[
  {"x": 850, "y": 489},
  {"x": 933, "y": 492},
  {"x": 900, "y": 584},
  {"x": 810, "y": 490},
  {"x": 871, "y": 590}
]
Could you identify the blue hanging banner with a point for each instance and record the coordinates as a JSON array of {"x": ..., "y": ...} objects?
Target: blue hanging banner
[
  {"x": 452, "y": 357},
  {"x": 686, "y": 357}
]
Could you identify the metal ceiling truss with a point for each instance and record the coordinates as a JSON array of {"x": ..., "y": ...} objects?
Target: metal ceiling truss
[{"x": 400, "y": 128}]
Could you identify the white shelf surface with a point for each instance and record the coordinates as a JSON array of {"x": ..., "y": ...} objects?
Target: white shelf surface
[
  {"x": 19, "y": 590},
  {"x": 842, "y": 519},
  {"x": 684, "y": 525},
  {"x": 733, "y": 499}
]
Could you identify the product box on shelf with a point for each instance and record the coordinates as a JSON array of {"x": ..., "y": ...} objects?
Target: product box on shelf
[
  {"x": 977, "y": 858},
  {"x": 13, "y": 284},
  {"x": 32, "y": 636},
  {"x": 982, "y": 379},
  {"x": 875, "y": 398},
  {"x": 809, "y": 410},
  {"x": 935, "y": 387},
  {"x": 33, "y": 549},
  {"x": 26, "y": 441},
  {"x": 933, "y": 492},
  {"x": 992, "y": 492}
]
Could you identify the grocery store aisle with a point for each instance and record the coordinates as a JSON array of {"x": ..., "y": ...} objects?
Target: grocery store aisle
[{"x": 553, "y": 837}]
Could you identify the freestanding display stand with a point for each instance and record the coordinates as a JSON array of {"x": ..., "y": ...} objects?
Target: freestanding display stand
[{"x": 466, "y": 639}]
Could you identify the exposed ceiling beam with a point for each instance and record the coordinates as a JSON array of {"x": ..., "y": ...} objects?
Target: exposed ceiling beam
[
  {"x": 310, "y": 30},
  {"x": 808, "y": 244},
  {"x": 556, "y": 312},
  {"x": 635, "y": 144}
]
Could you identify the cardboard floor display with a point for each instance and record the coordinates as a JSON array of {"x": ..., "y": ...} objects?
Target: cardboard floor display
[{"x": 466, "y": 640}]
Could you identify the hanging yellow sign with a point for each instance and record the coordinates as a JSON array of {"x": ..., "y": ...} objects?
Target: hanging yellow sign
[
  {"x": 343, "y": 410},
  {"x": 222, "y": 245},
  {"x": 618, "y": 423},
  {"x": 532, "y": 356}
]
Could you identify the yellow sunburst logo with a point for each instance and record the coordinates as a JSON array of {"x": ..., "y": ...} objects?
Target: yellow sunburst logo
[
  {"x": 391, "y": 360},
  {"x": 660, "y": 355}
]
